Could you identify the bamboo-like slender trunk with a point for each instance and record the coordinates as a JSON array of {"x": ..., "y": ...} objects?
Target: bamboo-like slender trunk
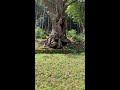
[{"x": 48, "y": 25}]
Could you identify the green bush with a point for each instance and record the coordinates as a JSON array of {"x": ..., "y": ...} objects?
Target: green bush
[
  {"x": 80, "y": 38},
  {"x": 39, "y": 33},
  {"x": 71, "y": 34},
  {"x": 76, "y": 37}
]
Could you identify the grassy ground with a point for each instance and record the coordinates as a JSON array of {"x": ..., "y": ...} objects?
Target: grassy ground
[{"x": 60, "y": 71}]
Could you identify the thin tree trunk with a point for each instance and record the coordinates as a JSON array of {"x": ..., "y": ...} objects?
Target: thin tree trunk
[
  {"x": 40, "y": 22},
  {"x": 83, "y": 28},
  {"x": 70, "y": 23},
  {"x": 48, "y": 25},
  {"x": 79, "y": 27}
]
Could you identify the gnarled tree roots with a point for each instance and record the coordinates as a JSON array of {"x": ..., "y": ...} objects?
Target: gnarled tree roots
[{"x": 56, "y": 42}]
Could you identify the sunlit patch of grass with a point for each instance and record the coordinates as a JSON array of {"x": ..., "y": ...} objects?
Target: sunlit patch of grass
[{"x": 60, "y": 71}]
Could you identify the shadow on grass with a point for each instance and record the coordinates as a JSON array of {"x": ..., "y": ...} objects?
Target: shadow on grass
[{"x": 58, "y": 51}]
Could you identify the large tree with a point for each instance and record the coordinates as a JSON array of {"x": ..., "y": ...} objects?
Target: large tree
[{"x": 56, "y": 11}]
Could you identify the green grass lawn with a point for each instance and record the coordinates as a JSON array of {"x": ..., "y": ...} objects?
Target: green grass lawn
[{"x": 60, "y": 71}]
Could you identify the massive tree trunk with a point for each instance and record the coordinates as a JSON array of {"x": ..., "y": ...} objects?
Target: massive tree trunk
[{"x": 57, "y": 38}]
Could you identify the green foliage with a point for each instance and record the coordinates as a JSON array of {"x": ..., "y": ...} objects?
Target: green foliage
[
  {"x": 76, "y": 37},
  {"x": 80, "y": 38},
  {"x": 73, "y": 12},
  {"x": 71, "y": 34},
  {"x": 39, "y": 33},
  {"x": 77, "y": 11}
]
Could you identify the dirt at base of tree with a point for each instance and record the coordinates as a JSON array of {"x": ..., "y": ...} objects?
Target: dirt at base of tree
[{"x": 72, "y": 45}]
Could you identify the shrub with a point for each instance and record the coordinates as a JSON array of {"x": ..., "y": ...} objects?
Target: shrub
[
  {"x": 76, "y": 37},
  {"x": 40, "y": 33},
  {"x": 80, "y": 38},
  {"x": 71, "y": 34}
]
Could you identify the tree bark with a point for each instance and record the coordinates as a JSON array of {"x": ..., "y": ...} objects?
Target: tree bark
[
  {"x": 83, "y": 27},
  {"x": 48, "y": 25},
  {"x": 57, "y": 38}
]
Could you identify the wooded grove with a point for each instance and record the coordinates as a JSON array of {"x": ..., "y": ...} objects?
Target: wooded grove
[{"x": 57, "y": 17}]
